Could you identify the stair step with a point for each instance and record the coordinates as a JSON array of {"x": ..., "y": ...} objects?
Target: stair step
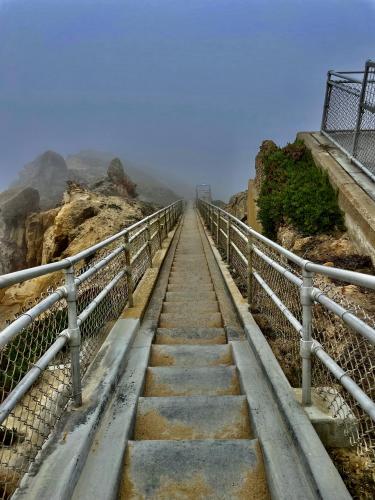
[
  {"x": 188, "y": 297},
  {"x": 209, "y": 469},
  {"x": 185, "y": 318},
  {"x": 190, "y": 288},
  {"x": 178, "y": 276},
  {"x": 190, "y": 281},
  {"x": 191, "y": 356},
  {"x": 191, "y": 307},
  {"x": 195, "y": 417},
  {"x": 190, "y": 336},
  {"x": 175, "y": 381}
]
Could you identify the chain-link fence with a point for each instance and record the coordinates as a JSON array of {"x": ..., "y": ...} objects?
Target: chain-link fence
[
  {"x": 323, "y": 340},
  {"x": 349, "y": 115},
  {"x": 46, "y": 350}
]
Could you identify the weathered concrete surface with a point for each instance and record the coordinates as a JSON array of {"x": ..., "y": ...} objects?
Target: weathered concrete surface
[
  {"x": 356, "y": 196},
  {"x": 187, "y": 335},
  {"x": 292, "y": 451},
  {"x": 197, "y": 417},
  {"x": 332, "y": 429},
  {"x": 175, "y": 381},
  {"x": 220, "y": 470},
  {"x": 193, "y": 356}
]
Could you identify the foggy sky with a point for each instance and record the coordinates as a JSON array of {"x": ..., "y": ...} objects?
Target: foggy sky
[{"x": 186, "y": 86}]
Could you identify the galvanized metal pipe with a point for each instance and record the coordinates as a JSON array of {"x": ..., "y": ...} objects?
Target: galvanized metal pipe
[
  {"x": 345, "y": 380},
  {"x": 279, "y": 304},
  {"x": 346, "y": 316},
  {"x": 31, "y": 376},
  {"x": 12, "y": 330},
  {"x": 306, "y": 341},
  {"x": 129, "y": 272},
  {"x": 99, "y": 298},
  {"x": 74, "y": 335}
]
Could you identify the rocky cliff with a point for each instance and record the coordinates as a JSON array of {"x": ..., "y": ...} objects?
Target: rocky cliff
[
  {"x": 15, "y": 207},
  {"x": 85, "y": 217},
  {"x": 92, "y": 165},
  {"x": 48, "y": 174}
]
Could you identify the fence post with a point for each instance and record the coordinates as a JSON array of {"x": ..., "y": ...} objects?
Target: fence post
[
  {"x": 326, "y": 102},
  {"x": 360, "y": 111},
  {"x": 74, "y": 335},
  {"x": 218, "y": 227},
  {"x": 250, "y": 256},
  {"x": 159, "y": 231},
  {"x": 129, "y": 277},
  {"x": 306, "y": 341},
  {"x": 229, "y": 225},
  {"x": 149, "y": 241}
]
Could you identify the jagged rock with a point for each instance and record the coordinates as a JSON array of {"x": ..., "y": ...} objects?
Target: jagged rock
[
  {"x": 116, "y": 183},
  {"x": 48, "y": 173},
  {"x": 92, "y": 166},
  {"x": 237, "y": 205},
  {"x": 15, "y": 206}
]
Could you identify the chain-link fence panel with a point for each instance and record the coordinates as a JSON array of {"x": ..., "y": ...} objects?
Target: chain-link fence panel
[
  {"x": 349, "y": 115},
  {"x": 35, "y": 346}
]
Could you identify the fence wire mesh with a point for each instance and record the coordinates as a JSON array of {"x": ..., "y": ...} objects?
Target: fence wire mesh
[
  {"x": 24, "y": 431},
  {"x": 349, "y": 115},
  {"x": 30, "y": 423},
  {"x": 352, "y": 352}
]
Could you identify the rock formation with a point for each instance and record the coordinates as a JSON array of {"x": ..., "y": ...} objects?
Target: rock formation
[
  {"x": 15, "y": 206},
  {"x": 237, "y": 206},
  {"x": 92, "y": 166},
  {"x": 48, "y": 174},
  {"x": 116, "y": 183},
  {"x": 84, "y": 218}
]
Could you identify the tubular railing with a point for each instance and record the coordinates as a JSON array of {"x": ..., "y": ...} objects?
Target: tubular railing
[
  {"x": 46, "y": 350},
  {"x": 349, "y": 115},
  {"x": 323, "y": 340}
]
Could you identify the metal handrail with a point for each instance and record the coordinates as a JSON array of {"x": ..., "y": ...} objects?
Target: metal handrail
[
  {"x": 308, "y": 296},
  {"x": 166, "y": 218}
]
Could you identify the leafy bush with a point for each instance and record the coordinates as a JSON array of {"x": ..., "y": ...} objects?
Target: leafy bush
[{"x": 296, "y": 191}]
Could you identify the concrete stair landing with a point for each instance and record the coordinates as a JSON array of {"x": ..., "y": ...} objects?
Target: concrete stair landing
[{"x": 192, "y": 436}]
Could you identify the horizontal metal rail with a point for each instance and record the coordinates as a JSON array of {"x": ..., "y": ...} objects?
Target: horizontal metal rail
[
  {"x": 308, "y": 296},
  {"x": 34, "y": 339}
]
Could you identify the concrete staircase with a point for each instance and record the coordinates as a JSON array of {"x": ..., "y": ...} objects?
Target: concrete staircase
[{"x": 192, "y": 436}]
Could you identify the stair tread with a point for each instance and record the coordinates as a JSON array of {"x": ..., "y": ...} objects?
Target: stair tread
[
  {"x": 190, "y": 335},
  {"x": 185, "y": 318},
  {"x": 209, "y": 469},
  {"x": 194, "y": 417},
  {"x": 180, "y": 381},
  {"x": 194, "y": 356}
]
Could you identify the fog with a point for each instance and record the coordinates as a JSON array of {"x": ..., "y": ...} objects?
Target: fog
[{"x": 188, "y": 88}]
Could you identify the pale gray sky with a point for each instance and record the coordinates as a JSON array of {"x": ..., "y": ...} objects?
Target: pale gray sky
[{"x": 186, "y": 87}]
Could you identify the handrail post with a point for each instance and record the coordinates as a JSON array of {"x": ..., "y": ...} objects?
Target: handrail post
[
  {"x": 217, "y": 226},
  {"x": 129, "y": 277},
  {"x": 74, "y": 335},
  {"x": 211, "y": 221},
  {"x": 250, "y": 258},
  {"x": 149, "y": 241},
  {"x": 229, "y": 226},
  {"x": 159, "y": 231},
  {"x": 306, "y": 341}
]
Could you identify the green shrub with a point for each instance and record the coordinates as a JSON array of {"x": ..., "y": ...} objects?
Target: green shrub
[{"x": 296, "y": 191}]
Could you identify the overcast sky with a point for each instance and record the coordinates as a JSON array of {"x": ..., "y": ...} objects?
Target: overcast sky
[{"x": 187, "y": 86}]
